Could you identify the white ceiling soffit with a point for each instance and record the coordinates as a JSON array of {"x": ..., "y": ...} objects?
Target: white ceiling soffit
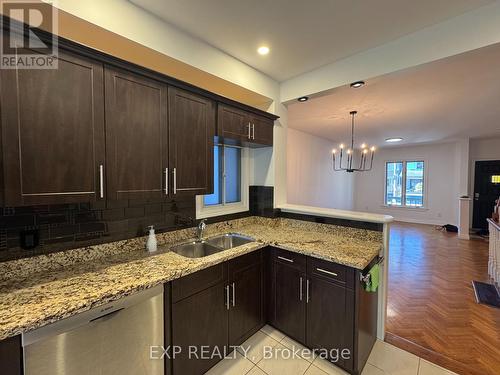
[
  {"x": 443, "y": 100},
  {"x": 302, "y": 35}
]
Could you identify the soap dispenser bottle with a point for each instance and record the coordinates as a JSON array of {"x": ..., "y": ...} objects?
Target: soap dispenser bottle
[{"x": 151, "y": 244}]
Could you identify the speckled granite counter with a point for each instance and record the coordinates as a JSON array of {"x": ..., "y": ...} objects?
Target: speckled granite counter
[{"x": 40, "y": 290}]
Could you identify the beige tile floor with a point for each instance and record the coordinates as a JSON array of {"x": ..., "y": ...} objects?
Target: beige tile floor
[{"x": 385, "y": 359}]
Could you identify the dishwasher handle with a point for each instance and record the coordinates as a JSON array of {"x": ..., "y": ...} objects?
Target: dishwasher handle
[{"x": 108, "y": 315}]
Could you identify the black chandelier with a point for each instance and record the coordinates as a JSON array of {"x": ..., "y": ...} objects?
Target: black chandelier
[{"x": 348, "y": 165}]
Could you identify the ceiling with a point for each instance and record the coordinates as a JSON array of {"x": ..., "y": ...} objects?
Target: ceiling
[
  {"x": 302, "y": 35},
  {"x": 443, "y": 100}
]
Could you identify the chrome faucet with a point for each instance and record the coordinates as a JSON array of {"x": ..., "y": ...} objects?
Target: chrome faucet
[{"x": 201, "y": 227}]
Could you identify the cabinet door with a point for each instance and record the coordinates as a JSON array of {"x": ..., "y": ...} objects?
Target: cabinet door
[
  {"x": 192, "y": 131},
  {"x": 11, "y": 356},
  {"x": 290, "y": 304},
  {"x": 53, "y": 132},
  {"x": 136, "y": 136},
  {"x": 246, "y": 310},
  {"x": 330, "y": 317},
  {"x": 199, "y": 321},
  {"x": 262, "y": 130},
  {"x": 233, "y": 124}
]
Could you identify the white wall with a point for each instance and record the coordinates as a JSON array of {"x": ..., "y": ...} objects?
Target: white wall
[
  {"x": 311, "y": 180},
  {"x": 441, "y": 188}
]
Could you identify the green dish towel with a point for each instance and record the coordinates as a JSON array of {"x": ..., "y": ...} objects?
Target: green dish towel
[{"x": 374, "y": 273}]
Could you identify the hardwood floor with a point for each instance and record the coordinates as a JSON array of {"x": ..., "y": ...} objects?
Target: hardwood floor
[{"x": 432, "y": 311}]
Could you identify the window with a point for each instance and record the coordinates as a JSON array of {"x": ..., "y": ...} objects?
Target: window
[
  {"x": 230, "y": 186},
  {"x": 404, "y": 183}
]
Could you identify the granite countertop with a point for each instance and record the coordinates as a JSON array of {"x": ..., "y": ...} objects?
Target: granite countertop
[{"x": 44, "y": 289}]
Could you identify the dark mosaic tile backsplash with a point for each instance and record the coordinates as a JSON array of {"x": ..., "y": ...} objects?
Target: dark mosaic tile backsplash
[
  {"x": 69, "y": 226},
  {"x": 66, "y": 226}
]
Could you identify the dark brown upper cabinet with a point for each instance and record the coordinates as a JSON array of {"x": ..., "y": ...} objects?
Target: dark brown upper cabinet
[
  {"x": 239, "y": 127},
  {"x": 233, "y": 123},
  {"x": 262, "y": 130},
  {"x": 136, "y": 136},
  {"x": 102, "y": 128},
  {"x": 53, "y": 133},
  {"x": 191, "y": 132}
]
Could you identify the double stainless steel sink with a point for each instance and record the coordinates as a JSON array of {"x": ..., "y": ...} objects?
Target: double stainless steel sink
[{"x": 203, "y": 248}]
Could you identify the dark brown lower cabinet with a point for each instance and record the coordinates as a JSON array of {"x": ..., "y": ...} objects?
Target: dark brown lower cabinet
[
  {"x": 11, "y": 356},
  {"x": 246, "y": 308},
  {"x": 323, "y": 306},
  {"x": 199, "y": 321},
  {"x": 289, "y": 294},
  {"x": 213, "y": 309},
  {"x": 330, "y": 315}
]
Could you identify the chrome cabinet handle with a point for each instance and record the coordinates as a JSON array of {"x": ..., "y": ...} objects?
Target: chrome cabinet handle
[
  {"x": 234, "y": 294},
  {"x": 101, "y": 180},
  {"x": 249, "y": 130},
  {"x": 300, "y": 294},
  {"x": 285, "y": 259},
  {"x": 175, "y": 181},
  {"x": 166, "y": 181},
  {"x": 327, "y": 272},
  {"x": 307, "y": 291},
  {"x": 227, "y": 296},
  {"x": 253, "y": 131}
]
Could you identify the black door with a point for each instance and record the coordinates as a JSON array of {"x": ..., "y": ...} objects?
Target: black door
[{"x": 486, "y": 191}]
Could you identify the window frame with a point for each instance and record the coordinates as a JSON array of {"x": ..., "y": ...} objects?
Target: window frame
[
  {"x": 203, "y": 211},
  {"x": 403, "y": 184}
]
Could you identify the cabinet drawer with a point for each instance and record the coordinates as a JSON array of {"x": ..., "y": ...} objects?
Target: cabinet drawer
[
  {"x": 335, "y": 272},
  {"x": 290, "y": 258},
  {"x": 198, "y": 281},
  {"x": 243, "y": 262}
]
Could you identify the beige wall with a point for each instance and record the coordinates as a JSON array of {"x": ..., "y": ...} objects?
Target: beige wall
[
  {"x": 311, "y": 180},
  {"x": 440, "y": 186}
]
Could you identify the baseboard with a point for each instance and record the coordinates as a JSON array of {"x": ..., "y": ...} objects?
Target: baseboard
[
  {"x": 430, "y": 355},
  {"x": 418, "y": 221}
]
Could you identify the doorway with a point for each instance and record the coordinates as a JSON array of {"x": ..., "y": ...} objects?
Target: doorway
[{"x": 486, "y": 191}]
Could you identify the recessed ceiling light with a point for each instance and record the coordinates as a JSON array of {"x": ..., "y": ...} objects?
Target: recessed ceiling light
[
  {"x": 394, "y": 140},
  {"x": 263, "y": 50},
  {"x": 303, "y": 99},
  {"x": 357, "y": 84}
]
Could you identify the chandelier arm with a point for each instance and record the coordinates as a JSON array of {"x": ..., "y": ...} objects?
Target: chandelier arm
[{"x": 350, "y": 155}]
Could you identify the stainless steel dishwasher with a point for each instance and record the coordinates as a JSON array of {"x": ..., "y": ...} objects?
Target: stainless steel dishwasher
[{"x": 108, "y": 340}]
